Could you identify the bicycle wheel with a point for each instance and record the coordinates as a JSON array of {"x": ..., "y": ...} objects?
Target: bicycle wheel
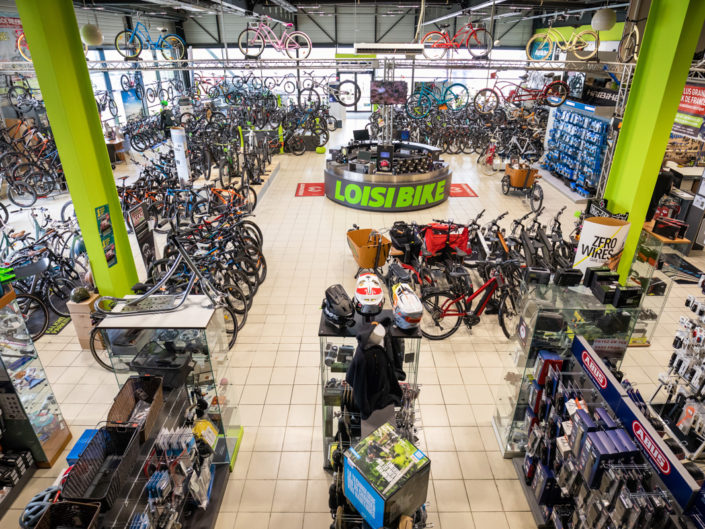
[
  {"x": 151, "y": 95},
  {"x": 21, "y": 194},
  {"x": 555, "y": 94},
  {"x": 486, "y": 101},
  {"x": 456, "y": 97},
  {"x": 441, "y": 315},
  {"x": 289, "y": 87},
  {"x": 296, "y": 145},
  {"x": 418, "y": 105},
  {"x": 68, "y": 212},
  {"x": 20, "y": 98},
  {"x": 298, "y": 46},
  {"x": 508, "y": 313},
  {"x": 128, "y": 44},
  {"x": 435, "y": 44},
  {"x": 23, "y": 48},
  {"x": 506, "y": 184},
  {"x": 35, "y": 314},
  {"x": 331, "y": 123},
  {"x": 253, "y": 230},
  {"x": 480, "y": 43},
  {"x": 173, "y": 48},
  {"x": 125, "y": 82},
  {"x": 269, "y": 83},
  {"x": 309, "y": 99},
  {"x": 486, "y": 161},
  {"x": 112, "y": 107},
  {"x": 230, "y": 324},
  {"x": 4, "y": 214},
  {"x": 348, "y": 93},
  {"x": 58, "y": 293},
  {"x": 539, "y": 48},
  {"x": 237, "y": 302},
  {"x": 536, "y": 197},
  {"x": 626, "y": 50},
  {"x": 251, "y": 43},
  {"x": 250, "y": 197},
  {"x": 586, "y": 44},
  {"x": 139, "y": 92},
  {"x": 98, "y": 349}
]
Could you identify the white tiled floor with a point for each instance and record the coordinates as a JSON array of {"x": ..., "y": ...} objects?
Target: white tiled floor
[{"x": 278, "y": 478}]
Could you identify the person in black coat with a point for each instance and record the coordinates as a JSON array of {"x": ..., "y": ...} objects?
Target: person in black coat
[{"x": 372, "y": 372}]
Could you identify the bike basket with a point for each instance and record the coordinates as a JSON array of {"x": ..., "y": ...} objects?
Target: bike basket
[
  {"x": 173, "y": 369},
  {"x": 70, "y": 515},
  {"x": 127, "y": 400},
  {"x": 437, "y": 234},
  {"x": 517, "y": 177},
  {"x": 103, "y": 467},
  {"x": 369, "y": 248}
]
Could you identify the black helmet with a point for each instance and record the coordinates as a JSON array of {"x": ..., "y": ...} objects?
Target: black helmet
[
  {"x": 337, "y": 306},
  {"x": 79, "y": 294}
]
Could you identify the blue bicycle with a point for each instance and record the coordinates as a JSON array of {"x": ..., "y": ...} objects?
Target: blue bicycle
[{"x": 130, "y": 43}]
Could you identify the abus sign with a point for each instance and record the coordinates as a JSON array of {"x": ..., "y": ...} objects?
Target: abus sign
[
  {"x": 650, "y": 446},
  {"x": 594, "y": 370}
]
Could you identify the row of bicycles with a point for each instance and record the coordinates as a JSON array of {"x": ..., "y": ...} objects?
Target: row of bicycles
[{"x": 444, "y": 261}]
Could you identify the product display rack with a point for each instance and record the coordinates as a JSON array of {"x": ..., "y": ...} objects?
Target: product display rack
[
  {"x": 331, "y": 397},
  {"x": 576, "y": 149},
  {"x": 648, "y": 271},
  {"x": 30, "y": 410},
  {"x": 186, "y": 346},
  {"x": 551, "y": 317}
]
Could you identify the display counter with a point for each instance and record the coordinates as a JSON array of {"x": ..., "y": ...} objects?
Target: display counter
[{"x": 403, "y": 176}]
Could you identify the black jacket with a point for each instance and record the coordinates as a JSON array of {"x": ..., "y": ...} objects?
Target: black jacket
[{"x": 372, "y": 376}]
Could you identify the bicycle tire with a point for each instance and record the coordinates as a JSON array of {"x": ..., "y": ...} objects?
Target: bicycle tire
[
  {"x": 434, "y": 304},
  {"x": 626, "y": 51},
  {"x": 112, "y": 107},
  {"x": 253, "y": 230},
  {"x": 350, "y": 94},
  {"x": 58, "y": 293},
  {"x": 296, "y": 145},
  {"x": 230, "y": 324},
  {"x": 250, "y": 197},
  {"x": 431, "y": 45},
  {"x": 589, "y": 54},
  {"x": 21, "y": 193},
  {"x": 309, "y": 99},
  {"x": 486, "y": 101},
  {"x": 506, "y": 184},
  {"x": 543, "y": 49},
  {"x": 23, "y": 48},
  {"x": 97, "y": 338},
  {"x": 536, "y": 197},
  {"x": 237, "y": 302},
  {"x": 4, "y": 215},
  {"x": 293, "y": 46},
  {"x": 461, "y": 97},
  {"x": 139, "y": 92},
  {"x": 130, "y": 43},
  {"x": 507, "y": 310},
  {"x": 20, "y": 98},
  {"x": 255, "y": 43},
  {"x": 482, "y": 45},
  {"x": 418, "y": 106},
  {"x": 125, "y": 82},
  {"x": 35, "y": 314},
  {"x": 175, "y": 48}
]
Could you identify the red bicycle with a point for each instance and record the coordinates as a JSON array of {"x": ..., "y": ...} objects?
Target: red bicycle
[
  {"x": 477, "y": 40},
  {"x": 445, "y": 310},
  {"x": 553, "y": 94}
]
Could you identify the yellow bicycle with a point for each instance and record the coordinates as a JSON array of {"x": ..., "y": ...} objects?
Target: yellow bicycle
[{"x": 583, "y": 44}]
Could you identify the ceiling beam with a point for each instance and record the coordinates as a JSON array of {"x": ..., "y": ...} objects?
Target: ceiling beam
[
  {"x": 318, "y": 25},
  {"x": 195, "y": 21},
  {"x": 390, "y": 28}
]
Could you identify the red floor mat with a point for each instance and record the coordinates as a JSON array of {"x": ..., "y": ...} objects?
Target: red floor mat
[
  {"x": 310, "y": 190},
  {"x": 462, "y": 190}
]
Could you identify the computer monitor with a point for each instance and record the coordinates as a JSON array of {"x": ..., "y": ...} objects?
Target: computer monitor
[
  {"x": 361, "y": 135},
  {"x": 364, "y": 156}
]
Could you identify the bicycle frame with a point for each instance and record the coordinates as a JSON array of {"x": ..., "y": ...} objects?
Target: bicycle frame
[
  {"x": 489, "y": 288},
  {"x": 267, "y": 34},
  {"x": 141, "y": 30},
  {"x": 465, "y": 32},
  {"x": 521, "y": 93}
]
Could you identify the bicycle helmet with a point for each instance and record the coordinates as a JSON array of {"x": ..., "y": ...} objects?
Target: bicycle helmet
[
  {"x": 36, "y": 507},
  {"x": 369, "y": 296},
  {"x": 337, "y": 306},
  {"x": 79, "y": 294},
  {"x": 407, "y": 307}
]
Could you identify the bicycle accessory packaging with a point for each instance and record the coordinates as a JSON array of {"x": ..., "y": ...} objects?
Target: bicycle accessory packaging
[
  {"x": 567, "y": 277},
  {"x": 407, "y": 307},
  {"x": 337, "y": 306},
  {"x": 369, "y": 296}
]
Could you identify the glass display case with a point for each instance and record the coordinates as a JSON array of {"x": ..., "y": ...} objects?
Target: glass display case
[
  {"x": 337, "y": 349},
  {"x": 551, "y": 316},
  {"x": 187, "y": 346},
  {"x": 33, "y": 420},
  {"x": 657, "y": 262}
]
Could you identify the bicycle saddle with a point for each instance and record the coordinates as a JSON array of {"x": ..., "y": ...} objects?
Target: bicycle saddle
[
  {"x": 18, "y": 235},
  {"x": 289, "y": 25},
  {"x": 524, "y": 77},
  {"x": 459, "y": 274},
  {"x": 444, "y": 26},
  {"x": 548, "y": 75}
]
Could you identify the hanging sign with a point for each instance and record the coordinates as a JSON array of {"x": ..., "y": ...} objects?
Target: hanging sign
[
  {"x": 10, "y": 30},
  {"x": 107, "y": 237},
  {"x": 690, "y": 120},
  {"x": 178, "y": 140}
]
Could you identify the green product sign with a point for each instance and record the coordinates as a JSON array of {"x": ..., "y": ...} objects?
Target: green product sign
[
  {"x": 107, "y": 237},
  {"x": 387, "y": 197}
]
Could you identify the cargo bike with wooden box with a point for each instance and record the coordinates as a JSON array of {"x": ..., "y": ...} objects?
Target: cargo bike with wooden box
[{"x": 525, "y": 180}]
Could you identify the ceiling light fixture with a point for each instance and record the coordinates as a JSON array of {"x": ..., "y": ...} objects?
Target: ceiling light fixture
[{"x": 464, "y": 11}]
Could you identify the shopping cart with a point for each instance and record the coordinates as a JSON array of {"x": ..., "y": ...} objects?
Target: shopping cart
[{"x": 369, "y": 248}]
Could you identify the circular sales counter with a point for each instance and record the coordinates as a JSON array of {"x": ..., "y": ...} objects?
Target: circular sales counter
[{"x": 419, "y": 180}]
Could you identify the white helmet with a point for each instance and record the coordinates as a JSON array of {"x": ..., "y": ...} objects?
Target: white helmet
[
  {"x": 407, "y": 307},
  {"x": 369, "y": 296}
]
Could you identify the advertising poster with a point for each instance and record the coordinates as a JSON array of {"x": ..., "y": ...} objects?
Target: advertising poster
[
  {"x": 133, "y": 106},
  {"x": 107, "y": 237},
  {"x": 10, "y": 29},
  {"x": 691, "y": 111},
  {"x": 388, "y": 92}
]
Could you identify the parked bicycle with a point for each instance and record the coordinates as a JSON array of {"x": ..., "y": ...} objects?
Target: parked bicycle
[
  {"x": 477, "y": 40},
  {"x": 130, "y": 43},
  {"x": 583, "y": 44},
  {"x": 553, "y": 93},
  {"x": 104, "y": 100},
  {"x": 630, "y": 43},
  {"x": 455, "y": 97}
]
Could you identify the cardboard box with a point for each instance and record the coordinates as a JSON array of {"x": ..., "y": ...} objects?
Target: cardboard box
[
  {"x": 385, "y": 477},
  {"x": 81, "y": 318}
]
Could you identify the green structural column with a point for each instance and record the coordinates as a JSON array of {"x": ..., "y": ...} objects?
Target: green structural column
[
  {"x": 57, "y": 54},
  {"x": 672, "y": 32}
]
